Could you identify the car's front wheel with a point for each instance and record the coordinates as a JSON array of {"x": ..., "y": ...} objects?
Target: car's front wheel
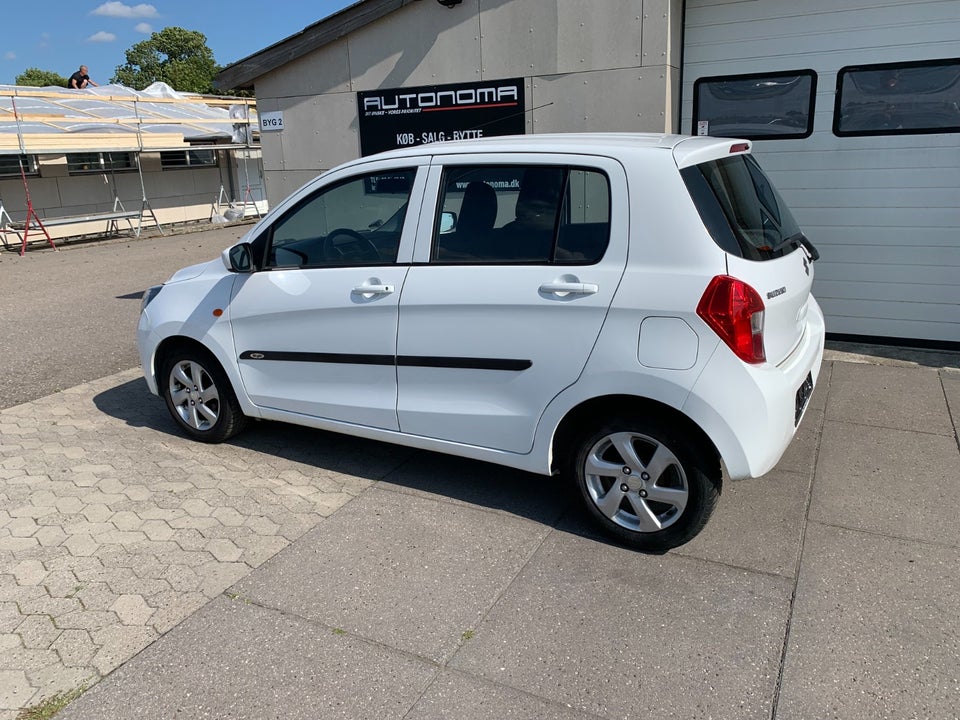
[
  {"x": 199, "y": 396},
  {"x": 645, "y": 484}
]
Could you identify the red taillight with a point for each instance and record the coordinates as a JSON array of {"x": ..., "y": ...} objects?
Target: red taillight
[
  {"x": 739, "y": 148},
  {"x": 734, "y": 311}
]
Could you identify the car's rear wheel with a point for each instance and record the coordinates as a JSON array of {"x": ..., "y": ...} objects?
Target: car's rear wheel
[
  {"x": 646, "y": 485},
  {"x": 199, "y": 396}
]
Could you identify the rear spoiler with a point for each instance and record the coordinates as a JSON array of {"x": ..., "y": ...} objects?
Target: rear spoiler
[{"x": 696, "y": 150}]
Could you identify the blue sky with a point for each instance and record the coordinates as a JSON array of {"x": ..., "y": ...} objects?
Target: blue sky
[{"x": 61, "y": 36}]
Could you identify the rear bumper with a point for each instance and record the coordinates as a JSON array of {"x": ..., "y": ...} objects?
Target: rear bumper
[{"x": 749, "y": 411}]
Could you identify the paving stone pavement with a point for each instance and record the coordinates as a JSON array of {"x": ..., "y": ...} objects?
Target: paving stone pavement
[{"x": 111, "y": 532}]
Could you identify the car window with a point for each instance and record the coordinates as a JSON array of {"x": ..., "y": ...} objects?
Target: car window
[
  {"x": 544, "y": 214},
  {"x": 354, "y": 222},
  {"x": 741, "y": 208}
]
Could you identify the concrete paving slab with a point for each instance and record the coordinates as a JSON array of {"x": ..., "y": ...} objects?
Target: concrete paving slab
[
  {"x": 411, "y": 572},
  {"x": 905, "y": 398},
  {"x": 464, "y": 697},
  {"x": 476, "y": 484},
  {"x": 876, "y": 630},
  {"x": 893, "y": 482},
  {"x": 624, "y": 635},
  {"x": 757, "y": 524},
  {"x": 236, "y": 660},
  {"x": 951, "y": 389},
  {"x": 114, "y": 532}
]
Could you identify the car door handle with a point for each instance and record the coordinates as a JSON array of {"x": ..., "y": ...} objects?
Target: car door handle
[
  {"x": 569, "y": 288},
  {"x": 373, "y": 289}
]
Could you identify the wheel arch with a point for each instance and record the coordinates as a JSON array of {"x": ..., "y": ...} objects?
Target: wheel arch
[
  {"x": 608, "y": 405},
  {"x": 172, "y": 344}
]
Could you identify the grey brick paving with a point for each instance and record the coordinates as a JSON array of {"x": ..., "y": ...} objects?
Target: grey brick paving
[{"x": 113, "y": 528}]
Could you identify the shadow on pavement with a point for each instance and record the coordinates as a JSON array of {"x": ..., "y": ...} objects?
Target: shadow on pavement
[
  {"x": 542, "y": 499},
  {"x": 895, "y": 355}
]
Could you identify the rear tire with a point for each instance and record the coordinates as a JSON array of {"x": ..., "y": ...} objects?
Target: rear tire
[
  {"x": 199, "y": 396},
  {"x": 644, "y": 483}
]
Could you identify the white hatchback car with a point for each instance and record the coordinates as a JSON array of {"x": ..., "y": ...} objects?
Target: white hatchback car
[{"x": 629, "y": 311}]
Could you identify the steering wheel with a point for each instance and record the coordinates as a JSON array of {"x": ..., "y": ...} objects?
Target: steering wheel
[{"x": 349, "y": 246}]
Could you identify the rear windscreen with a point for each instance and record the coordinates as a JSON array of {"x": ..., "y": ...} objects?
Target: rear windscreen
[{"x": 741, "y": 209}]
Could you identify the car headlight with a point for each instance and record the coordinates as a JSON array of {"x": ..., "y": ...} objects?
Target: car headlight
[{"x": 148, "y": 295}]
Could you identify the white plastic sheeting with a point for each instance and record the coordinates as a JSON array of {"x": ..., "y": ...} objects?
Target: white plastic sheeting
[{"x": 157, "y": 109}]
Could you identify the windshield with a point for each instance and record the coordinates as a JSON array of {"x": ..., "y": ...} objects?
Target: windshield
[{"x": 741, "y": 209}]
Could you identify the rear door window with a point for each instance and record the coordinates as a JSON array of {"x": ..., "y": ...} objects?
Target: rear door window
[
  {"x": 522, "y": 214},
  {"x": 741, "y": 209}
]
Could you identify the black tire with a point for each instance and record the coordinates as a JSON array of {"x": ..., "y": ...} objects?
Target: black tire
[
  {"x": 206, "y": 409},
  {"x": 644, "y": 483}
]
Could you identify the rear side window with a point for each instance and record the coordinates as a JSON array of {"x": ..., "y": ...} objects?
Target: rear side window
[
  {"x": 898, "y": 98},
  {"x": 768, "y": 106},
  {"x": 514, "y": 214},
  {"x": 741, "y": 209}
]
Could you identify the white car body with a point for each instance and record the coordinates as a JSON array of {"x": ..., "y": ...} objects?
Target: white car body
[{"x": 487, "y": 360}]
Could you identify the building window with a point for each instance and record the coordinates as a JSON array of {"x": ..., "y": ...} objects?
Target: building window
[
  {"x": 898, "y": 98},
  {"x": 10, "y": 165},
  {"x": 767, "y": 106},
  {"x": 90, "y": 162},
  {"x": 188, "y": 158}
]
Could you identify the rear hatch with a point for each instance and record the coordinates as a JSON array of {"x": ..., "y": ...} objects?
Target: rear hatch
[{"x": 765, "y": 248}]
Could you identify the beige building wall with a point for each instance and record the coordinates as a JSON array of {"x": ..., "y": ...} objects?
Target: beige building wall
[{"x": 588, "y": 65}]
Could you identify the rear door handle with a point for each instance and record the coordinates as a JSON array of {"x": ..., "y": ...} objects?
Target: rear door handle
[{"x": 569, "y": 288}]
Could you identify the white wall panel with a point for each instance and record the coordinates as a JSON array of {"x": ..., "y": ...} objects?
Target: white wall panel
[
  {"x": 606, "y": 101},
  {"x": 419, "y": 44},
  {"x": 883, "y": 211}
]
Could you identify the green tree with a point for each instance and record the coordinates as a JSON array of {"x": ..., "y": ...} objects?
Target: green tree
[
  {"x": 178, "y": 57},
  {"x": 35, "y": 77}
]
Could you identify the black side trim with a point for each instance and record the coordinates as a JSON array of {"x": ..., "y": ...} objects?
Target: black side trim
[
  {"x": 402, "y": 360},
  {"x": 468, "y": 363},
  {"x": 342, "y": 358}
]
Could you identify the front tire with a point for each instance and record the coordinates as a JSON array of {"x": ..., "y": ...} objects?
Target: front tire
[
  {"x": 645, "y": 484},
  {"x": 199, "y": 396}
]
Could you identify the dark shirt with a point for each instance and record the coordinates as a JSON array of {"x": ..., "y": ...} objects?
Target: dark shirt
[{"x": 80, "y": 79}]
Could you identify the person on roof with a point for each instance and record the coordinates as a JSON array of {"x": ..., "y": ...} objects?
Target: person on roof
[{"x": 80, "y": 80}]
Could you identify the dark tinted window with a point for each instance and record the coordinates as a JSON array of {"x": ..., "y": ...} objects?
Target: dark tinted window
[
  {"x": 741, "y": 209},
  {"x": 99, "y": 162},
  {"x": 355, "y": 222},
  {"x": 898, "y": 99},
  {"x": 187, "y": 158},
  {"x": 758, "y": 107},
  {"x": 10, "y": 165},
  {"x": 547, "y": 214}
]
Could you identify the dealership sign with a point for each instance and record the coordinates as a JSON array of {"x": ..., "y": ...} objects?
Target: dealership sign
[{"x": 402, "y": 117}]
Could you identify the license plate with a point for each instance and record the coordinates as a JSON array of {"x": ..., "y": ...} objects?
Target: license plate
[{"x": 803, "y": 396}]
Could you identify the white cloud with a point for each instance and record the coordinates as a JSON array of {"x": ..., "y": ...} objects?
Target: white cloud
[
  {"x": 102, "y": 37},
  {"x": 9, "y": 55},
  {"x": 118, "y": 9},
  {"x": 143, "y": 28}
]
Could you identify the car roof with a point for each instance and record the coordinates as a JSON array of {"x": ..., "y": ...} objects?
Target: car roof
[{"x": 686, "y": 149}]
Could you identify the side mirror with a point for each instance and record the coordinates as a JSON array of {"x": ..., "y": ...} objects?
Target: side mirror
[
  {"x": 448, "y": 221},
  {"x": 239, "y": 258}
]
